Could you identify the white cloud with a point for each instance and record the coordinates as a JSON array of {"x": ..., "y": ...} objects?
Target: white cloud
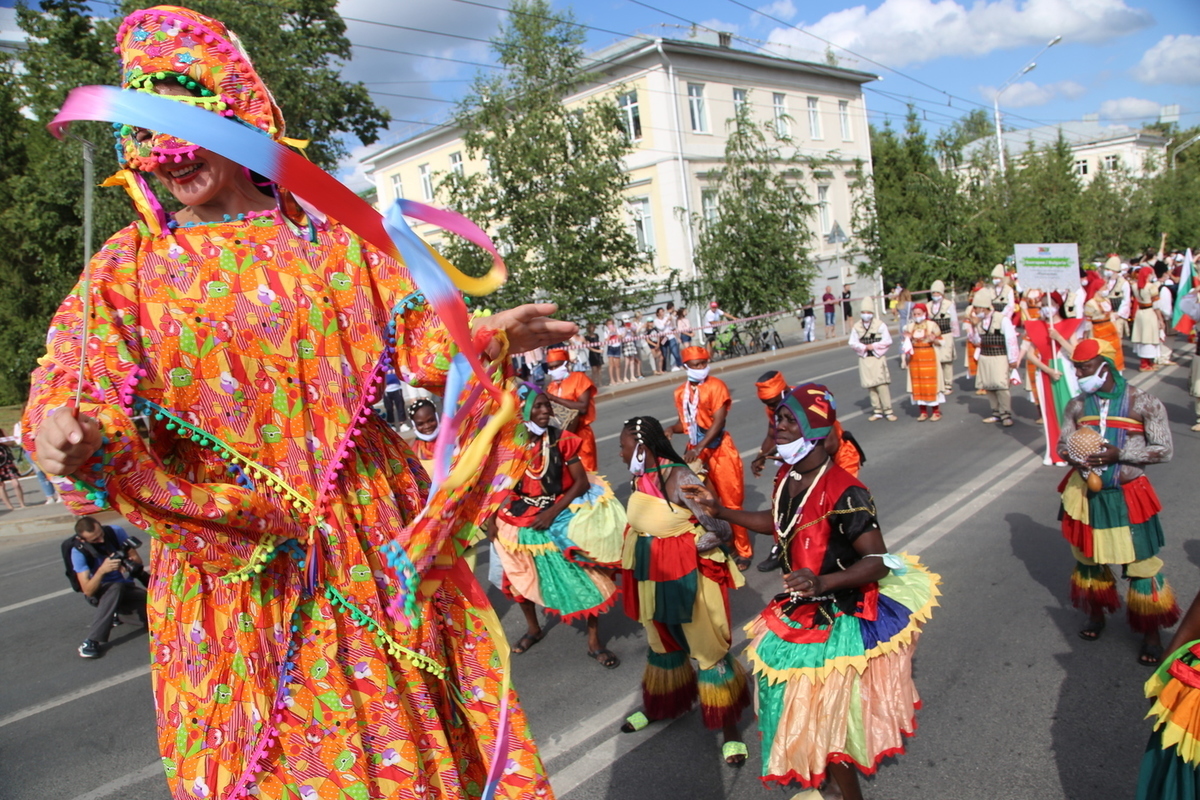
[
  {"x": 716, "y": 24},
  {"x": 900, "y": 32},
  {"x": 1129, "y": 108},
  {"x": 1175, "y": 59},
  {"x": 782, "y": 9},
  {"x": 1027, "y": 93}
]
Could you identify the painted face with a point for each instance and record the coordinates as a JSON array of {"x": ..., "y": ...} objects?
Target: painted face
[
  {"x": 425, "y": 420},
  {"x": 541, "y": 411}
]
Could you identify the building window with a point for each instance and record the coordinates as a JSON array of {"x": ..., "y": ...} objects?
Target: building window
[
  {"x": 741, "y": 100},
  {"x": 643, "y": 227},
  {"x": 1112, "y": 163},
  {"x": 782, "y": 128},
  {"x": 708, "y": 205},
  {"x": 844, "y": 116},
  {"x": 696, "y": 108},
  {"x": 397, "y": 187},
  {"x": 823, "y": 209},
  {"x": 426, "y": 181},
  {"x": 1081, "y": 167},
  {"x": 631, "y": 115},
  {"x": 814, "y": 119},
  {"x": 456, "y": 163}
]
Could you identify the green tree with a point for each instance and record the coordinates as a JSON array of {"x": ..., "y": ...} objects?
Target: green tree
[
  {"x": 552, "y": 190},
  {"x": 296, "y": 44},
  {"x": 912, "y": 220},
  {"x": 754, "y": 253}
]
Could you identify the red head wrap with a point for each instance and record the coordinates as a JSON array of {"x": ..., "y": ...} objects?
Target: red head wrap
[
  {"x": 1144, "y": 275},
  {"x": 924, "y": 309},
  {"x": 772, "y": 387},
  {"x": 1088, "y": 349},
  {"x": 1056, "y": 298},
  {"x": 695, "y": 353},
  {"x": 1092, "y": 283}
]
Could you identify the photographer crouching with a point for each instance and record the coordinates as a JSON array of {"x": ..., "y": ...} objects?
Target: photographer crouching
[{"x": 105, "y": 563}]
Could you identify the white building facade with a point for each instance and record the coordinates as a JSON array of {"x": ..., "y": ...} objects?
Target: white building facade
[{"x": 677, "y": 98}]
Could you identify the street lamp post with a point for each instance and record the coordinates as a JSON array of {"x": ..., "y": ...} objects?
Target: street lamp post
[{"x": 996, "y": 99}]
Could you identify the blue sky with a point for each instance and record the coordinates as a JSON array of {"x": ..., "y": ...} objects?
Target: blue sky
[{"x": 1121, "y": 59}]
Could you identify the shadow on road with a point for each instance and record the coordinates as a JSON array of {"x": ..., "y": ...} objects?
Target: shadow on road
[{"x": 1096, "y": 729}]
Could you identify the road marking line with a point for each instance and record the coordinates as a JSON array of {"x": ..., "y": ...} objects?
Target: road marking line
[
  {"x": 63, "y": 699},
  {"x": 583, "y": 730},
  {"x": 31, "y": 566},
  {"x": 124, "y": 782},
  {"x": 33, "y": 600},
  {"x": 605, "y": 754}
]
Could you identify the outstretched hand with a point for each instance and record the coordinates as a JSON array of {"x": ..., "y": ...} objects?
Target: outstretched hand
[{"x": 527, "y": 327}]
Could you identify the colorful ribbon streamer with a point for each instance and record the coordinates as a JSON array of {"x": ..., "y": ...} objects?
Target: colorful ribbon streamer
[{"x": 433, "y": 275}]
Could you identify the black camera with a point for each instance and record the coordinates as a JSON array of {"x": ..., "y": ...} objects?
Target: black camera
[{"x": 131, "y": 567}]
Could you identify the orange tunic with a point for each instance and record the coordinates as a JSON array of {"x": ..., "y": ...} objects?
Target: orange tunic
[
  {"x": 269, "y": 489},
  {"x": 723, "y": 462},
  {"x": 573, "y": 387}
]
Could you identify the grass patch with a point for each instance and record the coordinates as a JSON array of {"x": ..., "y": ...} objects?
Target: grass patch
[{"x": 9, "y": 416}]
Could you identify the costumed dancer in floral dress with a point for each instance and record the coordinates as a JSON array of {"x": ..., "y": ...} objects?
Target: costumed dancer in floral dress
[
  {"x": 559, "y": 534},
  {"x": 677, "y": 577},
  {"x": 833, "y": 651},
  {"x": 294, "y": 653}
]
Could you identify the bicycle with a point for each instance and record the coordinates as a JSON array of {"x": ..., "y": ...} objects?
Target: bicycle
[
  {"x": 729, "y": 344},
  {"x": 20, "y": 457}
]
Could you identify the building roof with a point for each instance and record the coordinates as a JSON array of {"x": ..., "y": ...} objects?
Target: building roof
[
  {"x": 636, "y": 47},
  {"x": 1076, "y": 134}
]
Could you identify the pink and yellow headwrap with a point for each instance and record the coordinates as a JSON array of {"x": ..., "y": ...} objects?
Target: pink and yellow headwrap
[{"x": 169, "y": 43}]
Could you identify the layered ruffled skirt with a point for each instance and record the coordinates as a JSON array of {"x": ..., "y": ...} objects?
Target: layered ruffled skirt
[
  {"x": 1171, "y": 765},
  {"x": 840, "y": 692},
  {"x": 565, "y": 567}
]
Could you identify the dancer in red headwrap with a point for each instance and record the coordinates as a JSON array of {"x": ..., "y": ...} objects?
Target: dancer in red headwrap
[
  {"x": 702, "y": 403},
  {"x": 574, "y": 390},
  {"x": 1098, "y": 310},
  {"x": 1109, "y": 509},
  {"x": 920, "y": 346},
  {"x": 832, "y": 653}
]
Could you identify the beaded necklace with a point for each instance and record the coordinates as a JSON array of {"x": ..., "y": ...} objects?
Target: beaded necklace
[{"x": 537, "y": 476}]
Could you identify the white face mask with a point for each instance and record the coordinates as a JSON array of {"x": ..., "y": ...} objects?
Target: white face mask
[
  {"x": 997, "y": 281},
  {"x": 637, "y": 463},
  {"x": 426, "y": 437},
  {"x": 534, "y": 428},
  {"x": 560, "y": 373},
  {"x": 1090, "y": 384},
  {"x": 866, "y": 318},
  {"x": 918, "y": 318},
  {"x": 793, "y": 452},
  {"x": 937, "y": 298},
  {"x": 697, "y": 375}
]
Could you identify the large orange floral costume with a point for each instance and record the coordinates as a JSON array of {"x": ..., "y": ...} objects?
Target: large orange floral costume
[{"x": 254, "y": 349}]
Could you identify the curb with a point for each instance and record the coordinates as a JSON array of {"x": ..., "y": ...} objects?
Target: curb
[
  {"x": 717, "y": 367},
  {"x": 60, "y": 520}
]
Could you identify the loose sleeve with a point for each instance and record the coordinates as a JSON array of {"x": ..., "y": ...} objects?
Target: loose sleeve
[{"x": 855, "y": 513}]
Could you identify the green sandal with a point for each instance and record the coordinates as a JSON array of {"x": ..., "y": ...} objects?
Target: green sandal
[
  {"x": 635, "y": 722},
  {"x": 734, "y": 750}
]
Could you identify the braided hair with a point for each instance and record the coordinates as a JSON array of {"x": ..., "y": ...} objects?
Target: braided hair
[
  {"x": 418, "y": 404},
  {"x": 650, "y": 434}
]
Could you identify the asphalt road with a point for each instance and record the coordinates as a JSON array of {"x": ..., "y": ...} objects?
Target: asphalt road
[{"x": 1016, "y": 706}]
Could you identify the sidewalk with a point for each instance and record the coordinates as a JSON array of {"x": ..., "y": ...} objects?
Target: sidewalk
[{"x": 610, "y": 392}]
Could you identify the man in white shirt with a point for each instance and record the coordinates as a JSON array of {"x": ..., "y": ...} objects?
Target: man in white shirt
[{"x": 711, "y": 317}]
